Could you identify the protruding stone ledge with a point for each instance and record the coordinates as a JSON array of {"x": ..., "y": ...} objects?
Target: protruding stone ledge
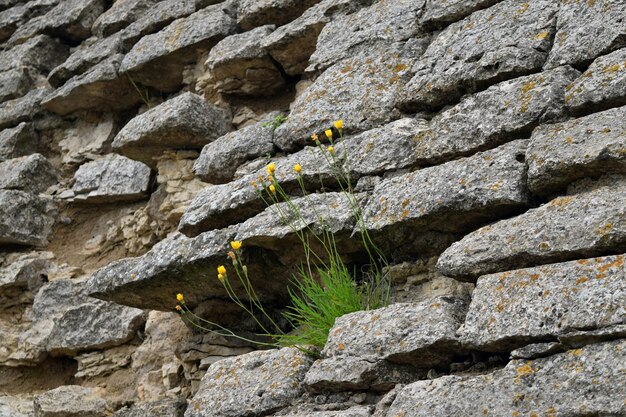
[
  {"x": 255, "y": 13},
  {"x": 32, "y": 173},
  {"x": 23, "y": 109},
  {"x": 439, "y": 13}
]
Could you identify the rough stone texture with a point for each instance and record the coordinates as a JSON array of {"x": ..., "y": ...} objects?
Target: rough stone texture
[
  {"x": 438, "y": 13},
  {"x": 586, "y": 30},
  {"x": 313, "y": 411},
  {"x": 602, "y": 86},
  {"x": 18, "y": 141},
  {"x": 504, "y": 41},
  {"x": 187, "y": 121},
  {"x": 21, "y": 276},
  {"x": 25, "y": 219},
  {"x": 31, "y": 173},
  {"x": 40, "y": 53},
  {"x": 88, "y": 138},
  {"x": 254, "y": 13},
  {"x": 452, "y": 197},
  {"x": 163, "y": 408},
  {"x": 112, "y": 178},
  {"x": 582, "y": 382},
  {"x": 505, "y": 111},
  {"x": 158, "y": 60},
  {"x": 251, "y": 384},
  {"x": 120, "y": 15},
  {"x": 570, "y": 227},
  {"x": 537, "y": 350},
  {"x": 71, "y": 401},
  {"x": 15, "y": 407},
  {"x": 590, "y": 146},
  {"x": 14, "y": 83},
  {"x": 238, "y": 65},
  {"x": 23, "y": 109},
  {"x": 515, "y": 308}
]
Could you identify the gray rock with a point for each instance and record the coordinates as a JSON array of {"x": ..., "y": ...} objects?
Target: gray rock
[
  {"x": 31, "y": 173},
  {"x": 14, "y": 17},
  {"x": 254, "y": 13},
  {"x": 512, "y": 309},
  {"x": 238, "y": 65},
  {"x": 18, "y": 141},
  {"x": 323, "y": 411},
  {"x": 102, "y": 87},
  {"x": 16, "y": 406},
  {"x": 158, "y": 60},
  {"x": 161, "y": 408},
  {"x": 120, "y": 15},
  {"x": 186, "y": 121},
  {"x": 439, "y": 13},
  {"x": 537, "y": 350},
  {"x": 292, "y": 45},
  {"x": 21, "y": 276},
  {"x": 504, "y": 41},
  {"x": 602, "y": 86},
  {"x": 586, "y": 30},
  {"x": 373, "y": 28},
  {"x": 23, "y": 109},
  {"x": 587, "y": 381},
  {"x": 256, "y": 383},
  {"x": 40, "y": 53},
  {"x": 88, "y": 138},
  {"x": 570, "y": 227},
  {"x": 562, "y": 153},
  {"x": 25, "y": 219},
  {"x": 453, "y": 197},
  {"x": 14, "y": 83},
  {"x": 112, "y": 178},
  {"x": 71, "y": 401}
]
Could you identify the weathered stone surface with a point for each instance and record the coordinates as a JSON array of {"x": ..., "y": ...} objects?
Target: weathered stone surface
[
  {"x": 16, "y": 16},
  {"x": 162, "y": 408},
  {"x": 360, "y": 90},
  {"x": 120, "y": 15},
  {"x": 571, "y": 227},
  {"x": 504, "y": 41},
  {"x": 101, "y": 87},
  {"x": 220, "y": 159},
  {"x": 602, "y": 86},
  {"x": 88, "y": 138},
  {"x": 40, "y": 53},
  {"x": 21, "y": 276},
  {"x": 590, "y": 146},
  {"x": 21, "y": 343},
  {"x": 112, "y": 178},
  {"x": 31, "y": 173},
  {"x": 582, "y": 382},
  {"x": 586, "y": 30},
  {"x": 453, "y": 197},
  {"x": 14, "y": 83},
  {"x": 23, "y": 109},
  {"x": 322, "y": 411},
  {"x": 254, "y": 13},
  {"x": 16, "y": 407},
  {"x": 238, "y": 65},
  {"x": 25, "y": 219},
  {"x": 256, "y": 383},
  {"x": 18, "y": 141},
  {"x": 516, "y": 308},
  {"x": 292, "y": 44},
  {"x": 376, "y": 27},
  {"x": 158, "y": 60},
  {"x": 71, "y": 401},
  {"x": 186, "y": 121},
  {"x": 537, "y": 350},
  {"x": 438, "y": 13}
]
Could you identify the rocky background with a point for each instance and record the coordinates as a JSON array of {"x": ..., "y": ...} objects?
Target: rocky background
[{"x": 488, "y": 139}]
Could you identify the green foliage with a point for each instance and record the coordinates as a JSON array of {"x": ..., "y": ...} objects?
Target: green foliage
[{"x": 276, "y": 121}]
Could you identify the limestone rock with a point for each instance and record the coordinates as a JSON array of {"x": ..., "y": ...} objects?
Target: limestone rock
[
  {"x": 590, "y": 146},
  {"x": 103, "y": 362},
  {"x": 557, "y": 384},
  {"x": 31, "y": 173},
  {"x": 120, "y": 15},
  {"x": 21, "y": 276},
  {"x": 373, "y": 28},
  {"x": 438, "y": 13},
  {"x": 16, "y": 16},
  {"x": 570, "y": 227},
  {"x": 16, "y": 406},
  {"x": 254, "y": 13},
  {"x": 507, "y": 40},
  {"x": 23, "y": 109},
  {"x": 40, "y": 53},
  {"x": 71, "y": 401},
  {"x": 162, "y": 408},
  {"x": 18, "y": 141},
  {"x": 515, "y": 308},
  {"x": 22, "y": 344},
  {"x": 455, "y": 196},
  {"x": 238, "y": 65},
  {"x": 25, "y": 219},
  {"x": 355, "y": 411},
  {"x": 586, "y": 30},
  {"x": 158, "y": 60},
  {"x": 112, "y": 178},
  {"x": 602, "y": 86},
  {"x": 186, "y": 121},
  {"x": 14, "y": 83},
  {"x": 89, "y": 138},
  {"x": 256, "y": 383},
  {"x": 537, "y": 350}
]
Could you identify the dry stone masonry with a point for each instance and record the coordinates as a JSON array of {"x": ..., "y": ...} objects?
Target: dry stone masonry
[{"x": 486, "y": 145}]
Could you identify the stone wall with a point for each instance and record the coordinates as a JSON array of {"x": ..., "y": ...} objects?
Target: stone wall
[{"x": 487, "y": 142}]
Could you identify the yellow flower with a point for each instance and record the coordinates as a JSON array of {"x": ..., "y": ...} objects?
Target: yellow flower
[
  {"x": 273, "y": 189},
  {"x": 297, "y": 168},
  {"x": 270, "y": 168},
  {"x": 236, "y": 244},
  {"x": 331, "y": 150},
  {"x": 329, "y": 134},
  {"x": 315, "y": 137},
  {"x": 338, "y": 124},
  {"x": 220, "y": 277},
  {"x": 221, "y": 270},
  {"x": 180, "y": 298},
  {"x": 179, "y": 308}
]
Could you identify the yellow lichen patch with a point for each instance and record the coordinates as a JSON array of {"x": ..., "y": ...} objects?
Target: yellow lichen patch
[
  {"x": 515, "y": 414},
  {"x": 544, "y": 246},
  {"x": 526, "y": 95},
  {"x": 524, "y": 370},
  {"x": 500, "y": 307},
  {"x": 576, "y": 352},
  {"x": 618, "y": 262},
  {"x": 523, "y": 8},
  {"x": 542, "y": 35},
  {"x": 399, "y": 67},
  {"x": 581, "y": 280},
  {"x": 583, "y": 261},
  {"x": 603, "y": 230},
  {"x": 591, "y": 3},
  {"x": 341, "y": 346},
  {"x": 561, "y": 37},
  {"x": 569, "y": 139},
  {"x": 561, "y": 201},
  {"x": 611, "y": 68},
  {"x": 534, "y": 277},
  {"x": 496, "y": 186},
  {"x": 551, "y": 412}
]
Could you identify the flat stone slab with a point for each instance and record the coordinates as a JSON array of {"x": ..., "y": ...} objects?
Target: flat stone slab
[
  {"x": 186, "y": 121},
  {"x": 33, "y": 173},
  {"x": 256, "y": 383},
  {"x": 255, "y": 13},
  {"x": 586, "y": 30},
  {"x": 112, "y": 178},
  {"x": 71, "y": 401},
  {"x": 588, "y": 381},
  {"x": 18, "y": 141},
  {"x": 584, "y": 225},
  {"x": 439, "y": 13},
  {"x": 23, "y": 109},
  {"x": 453, "y": 197},
  {"x": 516, "y": 308},
  {"x": 507, "y": 40},
  {"x": 167, "y": 407},
  {"x": 158, "y": 60},
  {"x": 25, "y": 219},
  {"x": 562, "y": 153},
  {"x": 503, "y": 112},
  {"x": 602, "y": 85}
]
